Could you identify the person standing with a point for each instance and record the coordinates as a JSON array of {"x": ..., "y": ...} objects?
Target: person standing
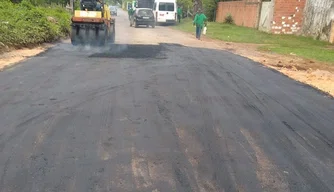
[
  {"x": 199, "y": 21},
  {"x": 179, "y": 14}
]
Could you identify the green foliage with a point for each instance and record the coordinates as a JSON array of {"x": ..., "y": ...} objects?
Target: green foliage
[
  {"x": 229, "y": 19},
  {"x": 76, "y": 5},
  {"x": 43, "y": 2},
  {"x": 185, "y": 4},
  {"x": 209, "y": 7},
  {"x": 304, "y": 47},
  {"x": 24, "y": 25},
  {"x": 114, "y": 2}
]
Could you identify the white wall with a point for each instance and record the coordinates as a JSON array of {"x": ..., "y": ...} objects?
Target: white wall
[
  {"x": 318, "y": 15},
  {"x": 267, "y": 12}
]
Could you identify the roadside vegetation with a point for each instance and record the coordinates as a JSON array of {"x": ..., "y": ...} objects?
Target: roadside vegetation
[
  {"x": 25, "y": 24},
  {"x": 304, "y": 47}
]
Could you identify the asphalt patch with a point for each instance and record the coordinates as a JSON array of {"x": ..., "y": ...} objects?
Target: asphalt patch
[{"x": 133, "y": 51}]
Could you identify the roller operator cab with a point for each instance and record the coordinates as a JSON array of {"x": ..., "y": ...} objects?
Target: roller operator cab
[
  {"x": 92, "y": 24},
  {"x": 165, "y": 11}
]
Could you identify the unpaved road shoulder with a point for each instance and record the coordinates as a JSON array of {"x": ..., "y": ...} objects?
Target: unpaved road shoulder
[
  {"x": 9, "y": 59},
  {"x": 317, "y": 74}
]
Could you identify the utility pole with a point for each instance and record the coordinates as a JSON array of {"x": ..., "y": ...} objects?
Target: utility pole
[{"x": 72, "y": 5}]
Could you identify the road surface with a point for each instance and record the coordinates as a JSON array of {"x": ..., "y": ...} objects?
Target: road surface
[{"x": 158, "y": 112}]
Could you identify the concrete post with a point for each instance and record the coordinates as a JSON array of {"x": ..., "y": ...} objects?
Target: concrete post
[
  {"x": 259, "y": 14},
  {"x": 331, "y": 36}
]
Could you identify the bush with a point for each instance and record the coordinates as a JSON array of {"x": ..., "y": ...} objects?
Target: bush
[
  {"x": 24, "y": 25},
  {"x": 229, "y": 19},
  {"x": 209, "y": 7}
]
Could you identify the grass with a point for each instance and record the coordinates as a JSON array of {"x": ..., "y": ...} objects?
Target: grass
[
  {"x": 24, "y": 25},
  {"x": 304, "y": 47}
]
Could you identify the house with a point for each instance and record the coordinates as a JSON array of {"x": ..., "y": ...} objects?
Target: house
[{"x": 301, "y": 17}]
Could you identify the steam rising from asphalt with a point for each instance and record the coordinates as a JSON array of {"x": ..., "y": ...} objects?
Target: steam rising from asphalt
[
  {"x": 114, "y": 49},
  {"x": 89, "y": 50}
]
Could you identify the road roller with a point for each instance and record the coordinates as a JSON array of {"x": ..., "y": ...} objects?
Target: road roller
[{"x": 92, "y": 24}]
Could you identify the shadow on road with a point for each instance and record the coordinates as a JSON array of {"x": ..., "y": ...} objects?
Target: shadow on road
[{"x": 133, "y": 51}]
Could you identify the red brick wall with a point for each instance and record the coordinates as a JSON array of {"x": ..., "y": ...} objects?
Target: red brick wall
[
  {"x": 244, "y": 13},
  {"x": 288, "y": 16}
]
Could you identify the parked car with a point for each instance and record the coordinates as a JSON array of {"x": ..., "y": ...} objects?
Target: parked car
[
  {"x": 113, "y": 10},
  {"x": 165, "y": 11},
  {"x": 143, "y": 16}
]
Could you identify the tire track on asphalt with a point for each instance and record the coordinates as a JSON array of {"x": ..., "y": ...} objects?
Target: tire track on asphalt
[
  {"x": 192, "y": 144},
  {"x": 19, "y": 136},
  {"x": 250, "y": 89},
  {"x": 219, "y": 153},
  {"x": 265, "y": 98},
  {"x": 268, "y": 174},
  {"x": 180, "y": 176},
  {"x": 184, "y": 176}
]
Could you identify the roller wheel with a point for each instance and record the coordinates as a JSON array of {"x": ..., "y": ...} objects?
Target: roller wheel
[
  {"x": 81, "y": 36},
  {"x": 101, "y": 38},
  {"x": 74, "y": 36},
  {"x": 113, "y": 35}
]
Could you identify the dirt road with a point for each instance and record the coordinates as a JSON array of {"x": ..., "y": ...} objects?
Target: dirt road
[{"x": 160, "y": 112}]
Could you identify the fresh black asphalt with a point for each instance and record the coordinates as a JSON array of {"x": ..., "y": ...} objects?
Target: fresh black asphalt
[{"x": 160, "y": 118}]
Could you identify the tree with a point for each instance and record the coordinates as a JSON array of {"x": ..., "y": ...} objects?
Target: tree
[
  {"x": 210, "y": 8},
  {"x": 44, "y": 2},
  {"x": 197, "y": 5},
  {"x": 186, "y": 4}
]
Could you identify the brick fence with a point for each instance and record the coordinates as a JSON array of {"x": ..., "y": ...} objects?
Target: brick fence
[
  {"x": 288, "y": 16},
  {"x": 244, "y": 13}
]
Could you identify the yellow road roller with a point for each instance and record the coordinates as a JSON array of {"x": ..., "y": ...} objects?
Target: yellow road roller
[{"x": 92, "y": 24}]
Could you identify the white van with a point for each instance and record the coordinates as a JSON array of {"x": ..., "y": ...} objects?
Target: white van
[{"x": 165, "y": 11}]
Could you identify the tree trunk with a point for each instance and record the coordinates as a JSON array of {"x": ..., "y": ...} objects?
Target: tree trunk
[
  {"x": 318, "y": 15},
  {"x": 197, "y": 5}
]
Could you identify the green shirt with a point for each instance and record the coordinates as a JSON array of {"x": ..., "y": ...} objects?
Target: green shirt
[
  {"x": 199, "y": 19},
  {"x": 179, "y": 11},
  {"x": 130, "y": 11}
]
